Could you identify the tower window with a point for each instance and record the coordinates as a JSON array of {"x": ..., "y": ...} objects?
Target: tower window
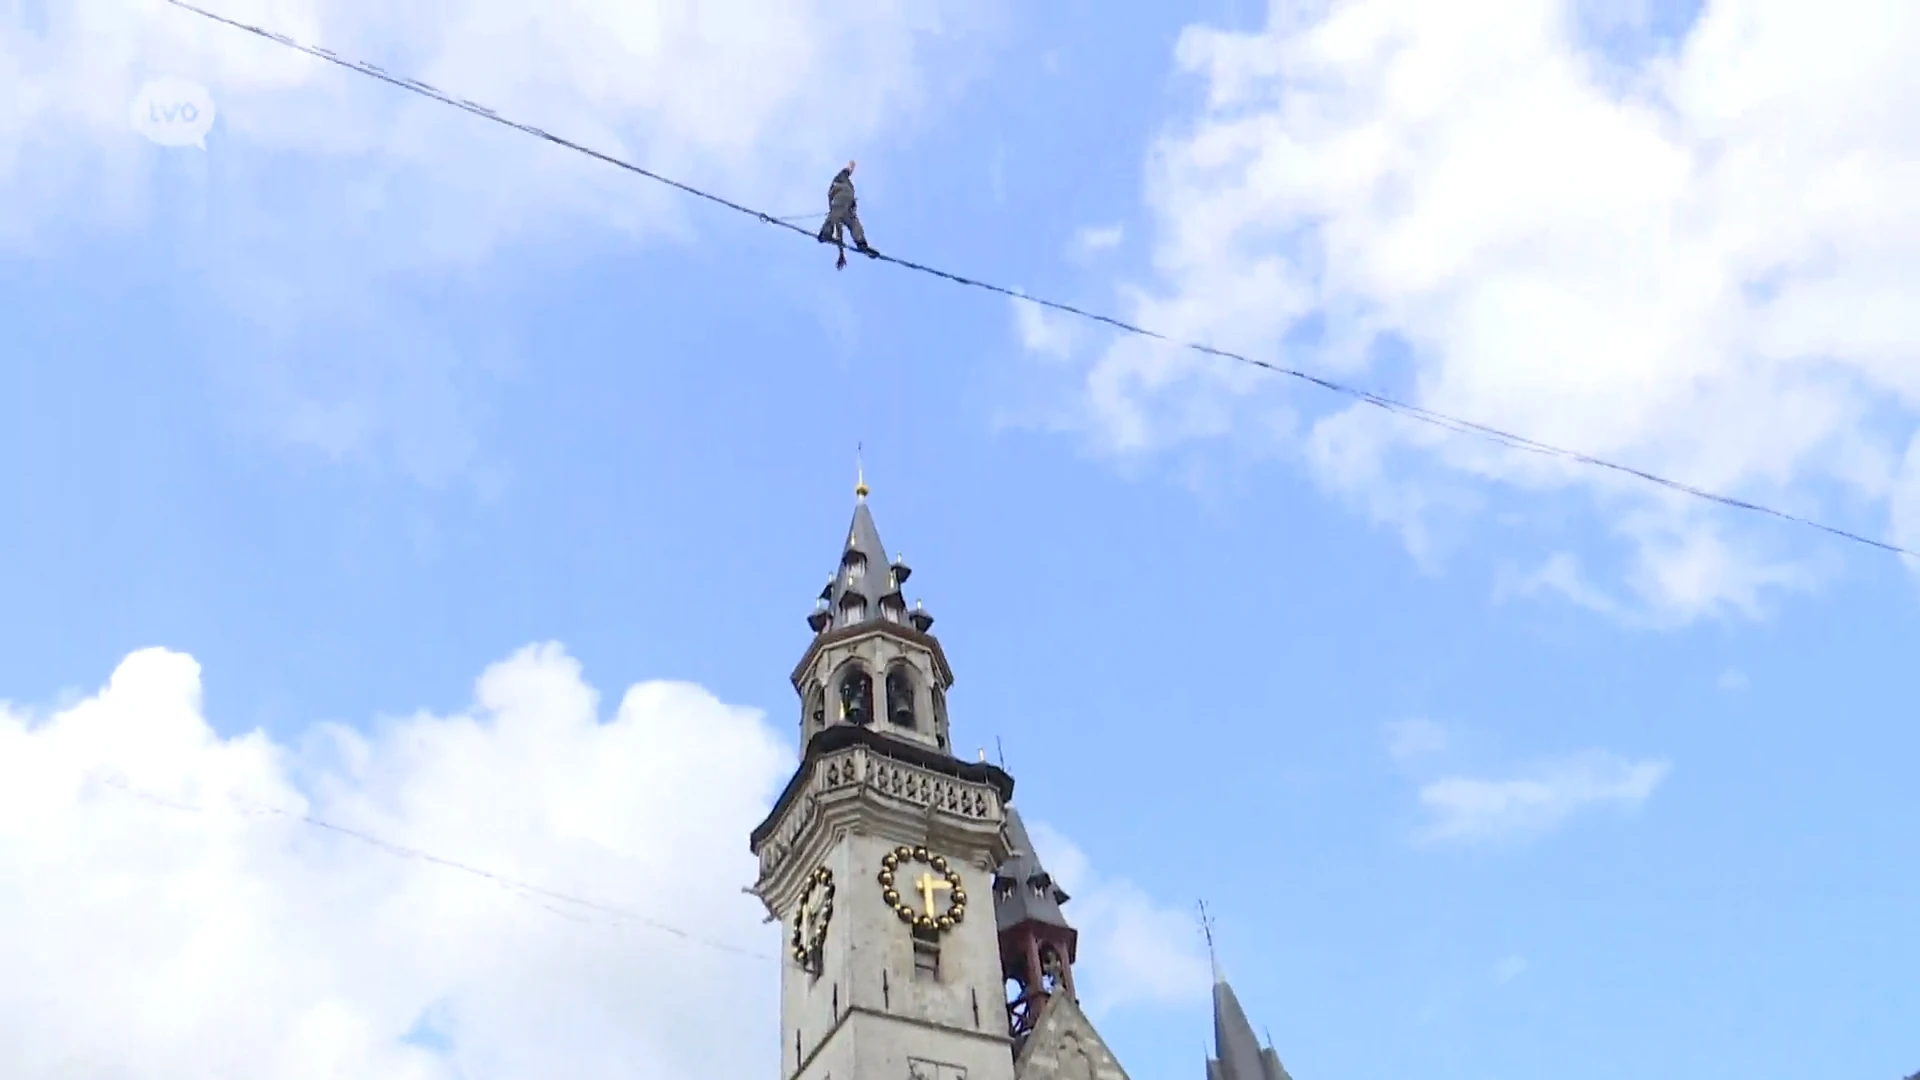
[
  {"x": 900, "y": 698},
  {"x": 856, "y": 566},
  {"x": 853, "y": 609},
  {"x": 856, "y": 697},
  {"x": 816, "y": 707},
  {"x": 926, "y": 953}
]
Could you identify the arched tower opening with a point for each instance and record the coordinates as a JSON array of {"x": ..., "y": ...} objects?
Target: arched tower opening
[
  {"x": 856, "y": 697},
  {"x": 902, "y": 709}
]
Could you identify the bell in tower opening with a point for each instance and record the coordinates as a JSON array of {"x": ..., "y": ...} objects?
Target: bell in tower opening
[
  {"x": 856, "y": 698},
  {"x": 900, "y": 698}
]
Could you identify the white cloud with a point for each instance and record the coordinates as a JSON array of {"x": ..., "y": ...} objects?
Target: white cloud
[
  {"x": 1509, "y": 969},
  {"x": 1681, "y": 574},
  {"x": 1094, "y": 239},
  {"x": 1415, "y": 738},
  {"x": 1562, "y": 575},
  {"x": 1463, "y": 809},
  {"x": 1696, "y": 262},
  {"x": 327, "y": 201},
  {"x": 735, "y": 92},
  {"x": 1906, "y": 504},
  {"x": 1134, "y": 949},
  {"x": 503, "y": 900},
  {"x": 1047, "y": 333},
  {"x": 224, "y": 941}
]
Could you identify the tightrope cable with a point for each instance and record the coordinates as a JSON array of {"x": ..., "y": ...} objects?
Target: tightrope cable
[
  {"x": 1380, "y": 401},
  {"x": 539, "y": 893}
]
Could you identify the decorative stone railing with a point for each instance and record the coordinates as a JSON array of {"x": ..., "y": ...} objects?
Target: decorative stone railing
[{"x": 888, "y": 780}]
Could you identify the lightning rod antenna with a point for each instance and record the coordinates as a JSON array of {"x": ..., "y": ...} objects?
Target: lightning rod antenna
[{"x": 1206, "y": 930}]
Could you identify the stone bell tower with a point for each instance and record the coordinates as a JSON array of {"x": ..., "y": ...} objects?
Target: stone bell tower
[{"x": 879, "y": 856}]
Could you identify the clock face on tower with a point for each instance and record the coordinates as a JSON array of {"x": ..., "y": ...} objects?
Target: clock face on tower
[
  {"x": 811, "y": 918},
  {"x": 923, "y": 889}
]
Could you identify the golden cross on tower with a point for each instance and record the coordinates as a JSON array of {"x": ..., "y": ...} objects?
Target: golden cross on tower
[{"x": 928, "y": 885}]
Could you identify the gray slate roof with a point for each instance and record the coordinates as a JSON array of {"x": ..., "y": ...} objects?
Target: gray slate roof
[
  {"x": 1237, "y": 1054},
  {"x": 872, "y": 582},
  {"x": 1023, "y": 890}
]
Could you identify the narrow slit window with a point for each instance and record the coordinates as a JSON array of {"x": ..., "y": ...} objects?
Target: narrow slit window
[{"x": 926, "y": 953}]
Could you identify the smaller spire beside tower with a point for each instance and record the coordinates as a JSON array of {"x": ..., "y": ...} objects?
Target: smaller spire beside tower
[
  {"x": 1038, "y": 945},
  {"x": 1237, "y": 1054}
]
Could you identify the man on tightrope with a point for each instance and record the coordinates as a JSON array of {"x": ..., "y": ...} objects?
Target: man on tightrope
[{"x": 843, "y": 212}]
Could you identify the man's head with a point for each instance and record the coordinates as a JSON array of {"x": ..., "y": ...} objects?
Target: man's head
[{"x": 849, "y": 168}]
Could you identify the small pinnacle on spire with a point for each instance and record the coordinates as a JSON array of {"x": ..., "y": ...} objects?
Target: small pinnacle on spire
[{"x": 860, "y": 471}]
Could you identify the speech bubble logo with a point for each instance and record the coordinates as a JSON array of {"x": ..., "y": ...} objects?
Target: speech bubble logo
[{"x": 173, "y": 112}]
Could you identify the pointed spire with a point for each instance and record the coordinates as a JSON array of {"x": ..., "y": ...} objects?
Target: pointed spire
[
  {"x": 864, "y": 586},
  {"x": 872, "y": 662},
  {"x": 859, "y": 471},
  {"x": 1237, "y": 1054},
  {"x": 1234, "y": 1045}
]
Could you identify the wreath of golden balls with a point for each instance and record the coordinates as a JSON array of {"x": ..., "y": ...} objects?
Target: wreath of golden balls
[
  {"x": 956, "y": 897},
  {"x": 806, "y": 945}
]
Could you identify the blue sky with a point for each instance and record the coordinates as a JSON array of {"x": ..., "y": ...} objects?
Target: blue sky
[{"x": 348, "y": 426}]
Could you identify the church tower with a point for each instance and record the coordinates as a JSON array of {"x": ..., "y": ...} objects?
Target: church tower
[{"x": 878, "y": 850}]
